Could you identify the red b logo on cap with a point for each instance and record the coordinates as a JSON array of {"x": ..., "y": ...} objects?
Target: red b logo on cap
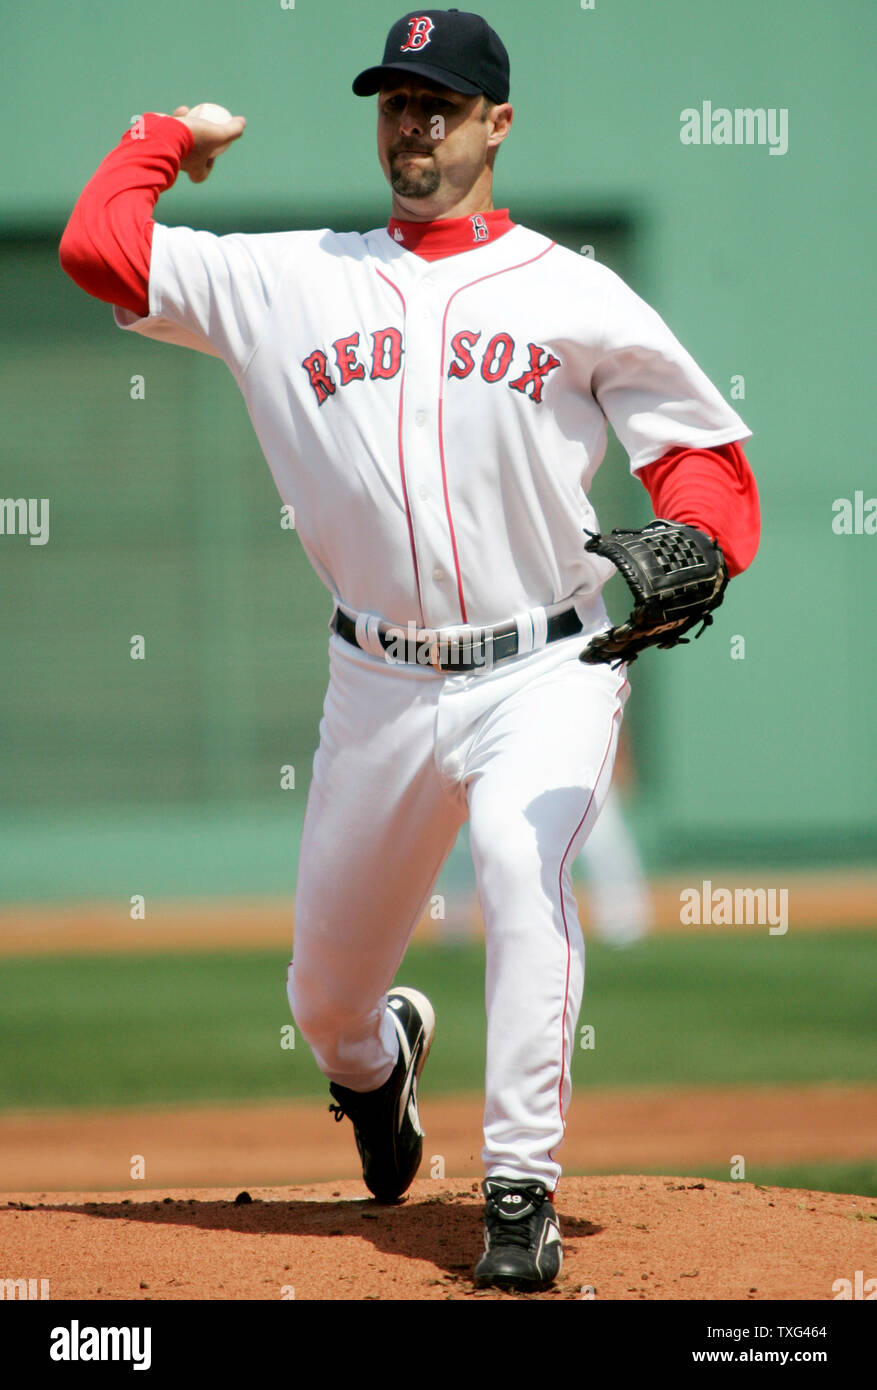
[{"x": 419, "y": 30}]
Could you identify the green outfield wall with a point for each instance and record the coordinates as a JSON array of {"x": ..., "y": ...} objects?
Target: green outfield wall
[{"x": 166, "y": 771}]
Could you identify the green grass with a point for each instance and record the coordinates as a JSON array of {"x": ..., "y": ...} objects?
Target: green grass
[
  {"x": 859, "y": 1178},
  {"x": 725, "y": 1010},
  {"x": 135, "y": 1030}
]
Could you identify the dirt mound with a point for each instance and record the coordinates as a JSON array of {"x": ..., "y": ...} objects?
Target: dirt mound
[{"x": 624, "y": 1238}]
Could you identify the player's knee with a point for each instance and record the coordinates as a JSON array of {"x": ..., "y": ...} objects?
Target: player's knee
[
  {"x": 315, "y": 1017},
  {"x": 310, "y": 1008},
  {"x": 321, "y": 1014}
]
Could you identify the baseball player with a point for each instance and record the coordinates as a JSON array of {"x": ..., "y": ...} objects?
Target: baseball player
[{"x": 432, "y": 399}]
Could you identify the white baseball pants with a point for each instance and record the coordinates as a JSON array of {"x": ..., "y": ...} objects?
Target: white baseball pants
[
  {"x": 618, "y": 890},
  {"x": 525, "y": 750}
]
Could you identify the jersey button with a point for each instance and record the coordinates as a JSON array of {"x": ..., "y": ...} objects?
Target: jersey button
[
  {"x": 420, "y": 417},
  {"x": 438, "y": 574},
  {"x": 423, "y": 494}
]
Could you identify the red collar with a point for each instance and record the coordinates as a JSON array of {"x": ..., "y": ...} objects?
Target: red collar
[{"x": 448, "y": 236}]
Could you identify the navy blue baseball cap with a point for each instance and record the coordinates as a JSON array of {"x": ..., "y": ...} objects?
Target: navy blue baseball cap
[{"x": 452, "y": 47}]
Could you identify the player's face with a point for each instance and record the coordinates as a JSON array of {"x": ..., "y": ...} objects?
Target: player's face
[{"x": 433, "y": 144}]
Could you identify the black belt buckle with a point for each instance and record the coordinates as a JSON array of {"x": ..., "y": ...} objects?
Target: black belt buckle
[
  {"x": 451, "y": 655},
  {"x": 470, "y": 654}
]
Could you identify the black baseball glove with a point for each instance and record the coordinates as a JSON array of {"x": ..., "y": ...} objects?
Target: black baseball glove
[{"x": 677, "y": 576}]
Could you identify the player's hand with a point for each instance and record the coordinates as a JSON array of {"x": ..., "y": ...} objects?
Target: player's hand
[{"x": 211, "y": 140}]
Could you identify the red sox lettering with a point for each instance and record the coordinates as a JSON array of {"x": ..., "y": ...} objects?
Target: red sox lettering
[{"x": 385, "y": 359}]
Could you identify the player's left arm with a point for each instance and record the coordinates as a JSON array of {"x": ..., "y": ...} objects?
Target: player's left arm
[
  {"x": 712, "y": 489},
  {"x": 684, "y": 441}
]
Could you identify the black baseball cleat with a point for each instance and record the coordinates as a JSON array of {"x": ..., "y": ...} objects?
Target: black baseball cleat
[
  {"x": 386, "y": 1123},
  {"x": 522, "y": 1245}
]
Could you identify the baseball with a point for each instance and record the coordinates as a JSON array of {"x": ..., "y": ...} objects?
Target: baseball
[{"x": 209, "y": 111}]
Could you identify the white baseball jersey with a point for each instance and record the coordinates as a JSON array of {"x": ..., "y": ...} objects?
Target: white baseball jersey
[{"x": 435, "y": 424}]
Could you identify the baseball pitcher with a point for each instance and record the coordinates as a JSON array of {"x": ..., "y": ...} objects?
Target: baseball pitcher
[{"x": 432, "y": 398}]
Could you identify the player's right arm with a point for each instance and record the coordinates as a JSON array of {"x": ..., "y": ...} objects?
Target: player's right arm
[
  {"x": 107, "y": 244},
  {"x": 175, "y": 284}
]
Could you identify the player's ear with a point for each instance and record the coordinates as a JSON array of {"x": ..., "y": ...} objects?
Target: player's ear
[{"x": 500, "y": 118}]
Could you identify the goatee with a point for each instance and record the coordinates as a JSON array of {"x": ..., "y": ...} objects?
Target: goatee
[{"x": 412, "y": 182}]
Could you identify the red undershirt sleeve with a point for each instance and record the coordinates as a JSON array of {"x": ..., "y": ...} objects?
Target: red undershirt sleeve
[
  {"x": 107, "y": 243},
  {"x": 712, "y": 489}
]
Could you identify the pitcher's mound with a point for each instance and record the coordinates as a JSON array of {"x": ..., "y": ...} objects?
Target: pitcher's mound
[{"x": 624, "y": 1238}]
